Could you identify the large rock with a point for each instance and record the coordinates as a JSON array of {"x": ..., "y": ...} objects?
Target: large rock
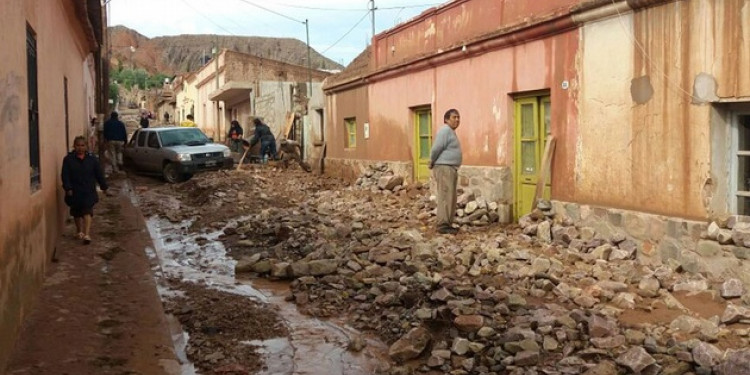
[
  {"x": 544, "y": 231},
  {"x": 603, "y": 368},
  {"x": 707, "y": 355},
  {"x": 734, "y": 313},
  {"x": 469, "y": 323},
  {"x": 636, "y": 359},
  {"x": 735, "y": 362},
  {"x": 410, "y": 346},
  {"x": 713, "y": 230},
  {"x": 323, "y": 267},
  {"x": 741, "y": 234},
  {"x": 732, "y": 288},
  {"x": 601, "y": 327},
  {"x": 390, "y": 182}
]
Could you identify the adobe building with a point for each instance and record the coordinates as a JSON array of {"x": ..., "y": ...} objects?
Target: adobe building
[
  {"x": 52, "y": 82},
  {"x": 648, "y": 103}
]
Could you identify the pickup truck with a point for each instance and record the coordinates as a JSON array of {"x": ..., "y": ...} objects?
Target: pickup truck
[{"x": 175, "y": 152}]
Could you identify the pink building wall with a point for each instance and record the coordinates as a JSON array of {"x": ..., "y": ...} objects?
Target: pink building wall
[{"x": 31, "y": 220}]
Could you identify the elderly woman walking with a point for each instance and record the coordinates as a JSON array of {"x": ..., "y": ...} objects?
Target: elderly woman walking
[{"x": 80, "y": 173}]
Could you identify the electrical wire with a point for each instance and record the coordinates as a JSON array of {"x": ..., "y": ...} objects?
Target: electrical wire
[
  {"x": 353, "y": 9},
  {"x": 272, "y": 11},
  {"x": 206, "y": 17},
  {"x": 347, "y": 33}
]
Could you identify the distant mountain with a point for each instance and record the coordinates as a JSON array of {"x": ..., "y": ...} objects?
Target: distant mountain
[{"x": 186, "y": 53}]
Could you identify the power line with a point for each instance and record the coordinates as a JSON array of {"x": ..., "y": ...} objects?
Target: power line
[
  {"x": 206, "y": 17},
  {"x": 354, "y": 9},
  {"x": 347, "y": 33},
  {"x": 272, "y": 11}
]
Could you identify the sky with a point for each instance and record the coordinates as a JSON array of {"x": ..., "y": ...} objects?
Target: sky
[{"x": 339, "y": 29}]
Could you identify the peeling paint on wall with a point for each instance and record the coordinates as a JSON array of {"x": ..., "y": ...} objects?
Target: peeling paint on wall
[
  {"x": 431, "y": 30},
  {"x": 704, "y": 89},
  {"x": 641, "y": 90}
]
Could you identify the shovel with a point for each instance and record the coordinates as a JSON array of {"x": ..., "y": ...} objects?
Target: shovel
[{"x": 246, "y": 146}]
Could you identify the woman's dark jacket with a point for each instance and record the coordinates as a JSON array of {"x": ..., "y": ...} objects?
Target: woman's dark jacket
[
  {"x": 81, "y": 176},
  {"x": 262, "y": 134}
]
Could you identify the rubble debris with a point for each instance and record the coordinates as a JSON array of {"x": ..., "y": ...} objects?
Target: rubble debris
[{"x": 544, "y": 296}]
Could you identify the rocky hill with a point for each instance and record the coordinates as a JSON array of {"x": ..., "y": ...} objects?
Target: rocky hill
[{"x": 185, "y": 53}]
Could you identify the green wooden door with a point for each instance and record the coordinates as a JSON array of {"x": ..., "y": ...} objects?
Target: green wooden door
[
  {"x": 532, "y": 126},
  {"x": 423, "y": 138}
]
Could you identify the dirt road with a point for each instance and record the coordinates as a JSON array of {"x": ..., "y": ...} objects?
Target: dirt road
[
  {"x": 98, "y": 312},
  {"x": 280, "y": 272}
]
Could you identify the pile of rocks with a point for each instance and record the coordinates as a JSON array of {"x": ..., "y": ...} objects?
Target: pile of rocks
[
  {"x": 476, "y": 211},
  {"x": 545, "y": 299},
  {"x": 380, "y": 176}
]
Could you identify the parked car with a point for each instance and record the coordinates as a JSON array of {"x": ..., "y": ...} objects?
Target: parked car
[{"x": 175, "y": 152}]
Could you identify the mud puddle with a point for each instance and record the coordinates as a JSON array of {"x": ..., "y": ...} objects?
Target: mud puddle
[{"x": 313, "y": 346}]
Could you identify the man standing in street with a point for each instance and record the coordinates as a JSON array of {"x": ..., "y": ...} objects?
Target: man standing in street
[
  {"x": 445, "y": 158},
  {"x": 115, "y": 135}
]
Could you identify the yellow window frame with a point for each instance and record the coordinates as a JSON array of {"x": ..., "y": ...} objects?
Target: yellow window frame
[{"x": 351, "y": 132}]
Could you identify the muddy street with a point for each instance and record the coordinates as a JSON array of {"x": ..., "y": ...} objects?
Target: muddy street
[
  {"x": 264, "y": 271},
  {"x": 386, "y": 294}
]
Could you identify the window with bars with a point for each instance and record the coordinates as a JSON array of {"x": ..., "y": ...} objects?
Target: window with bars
[
  {"x": 351, "y": 132},
  {"x": 33, "y": 100}
]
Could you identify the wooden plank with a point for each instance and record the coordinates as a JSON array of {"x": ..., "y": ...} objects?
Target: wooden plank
[
  {"x": 549, "y": 150},
  {"x": 289, "y": 123},
  {"x": 321, "y": 165}
]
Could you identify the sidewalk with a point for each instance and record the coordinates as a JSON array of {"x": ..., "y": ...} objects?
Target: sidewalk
[{"x": 99, "y": 311}]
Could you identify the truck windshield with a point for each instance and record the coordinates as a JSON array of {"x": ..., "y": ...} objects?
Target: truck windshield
[{"x": 187, "y": 136}]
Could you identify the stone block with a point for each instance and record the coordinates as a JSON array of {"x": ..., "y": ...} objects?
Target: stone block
[
  {"x": 669, "y": 248},
  {"x": 709, "y": 249},
  {"x": 635, "y": 225},
  {"x": 615, "y": 218},
  {"x": 573, "y": 211},
  {"x": 741, "y": 234},
  {"x": 739, "y": 252},
  {"x": 691, "y": 262},
  {"x": 586, "y": 212},
  {"x": 657, "y": 228},
  {"x": 676, "y": 228}
]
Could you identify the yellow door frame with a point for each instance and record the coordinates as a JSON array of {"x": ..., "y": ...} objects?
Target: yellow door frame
[
  {"x": 421, "y": 169},
  {"x": 529, "y": 141}
]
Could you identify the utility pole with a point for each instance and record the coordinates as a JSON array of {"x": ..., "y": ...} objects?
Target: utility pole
[
  {"x": 309, "y": 62},
  {"x": 309, "y": 88},
  {"x": 372, "y": 17}
]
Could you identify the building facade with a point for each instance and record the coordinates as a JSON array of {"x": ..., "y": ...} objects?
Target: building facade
[
  {"x": 238, "y": 86},
  {"x": 51, "y": 73},
  {"x": 648, "y": 103}
]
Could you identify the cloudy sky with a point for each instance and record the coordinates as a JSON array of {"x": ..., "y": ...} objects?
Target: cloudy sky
[{"x": 339, "y": 29}]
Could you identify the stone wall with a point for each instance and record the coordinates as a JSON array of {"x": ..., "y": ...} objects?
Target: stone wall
[
  {"x": 494, "y": 184},
  {"x": 716, "y": 249},
  {"x": 351, "y": 169}
]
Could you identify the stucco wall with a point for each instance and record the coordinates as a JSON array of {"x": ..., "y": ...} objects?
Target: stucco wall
[
  {"x": 647, "y": 81},
  {"x": 30, "y": 221},
  {"x": 461, "y": 21},
  {"x": 350, "y": 104},
  {"x": 480, "y": 87}
]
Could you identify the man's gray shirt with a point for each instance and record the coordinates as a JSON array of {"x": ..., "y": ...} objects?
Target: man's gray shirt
[{"x": 446, "y": 149}]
